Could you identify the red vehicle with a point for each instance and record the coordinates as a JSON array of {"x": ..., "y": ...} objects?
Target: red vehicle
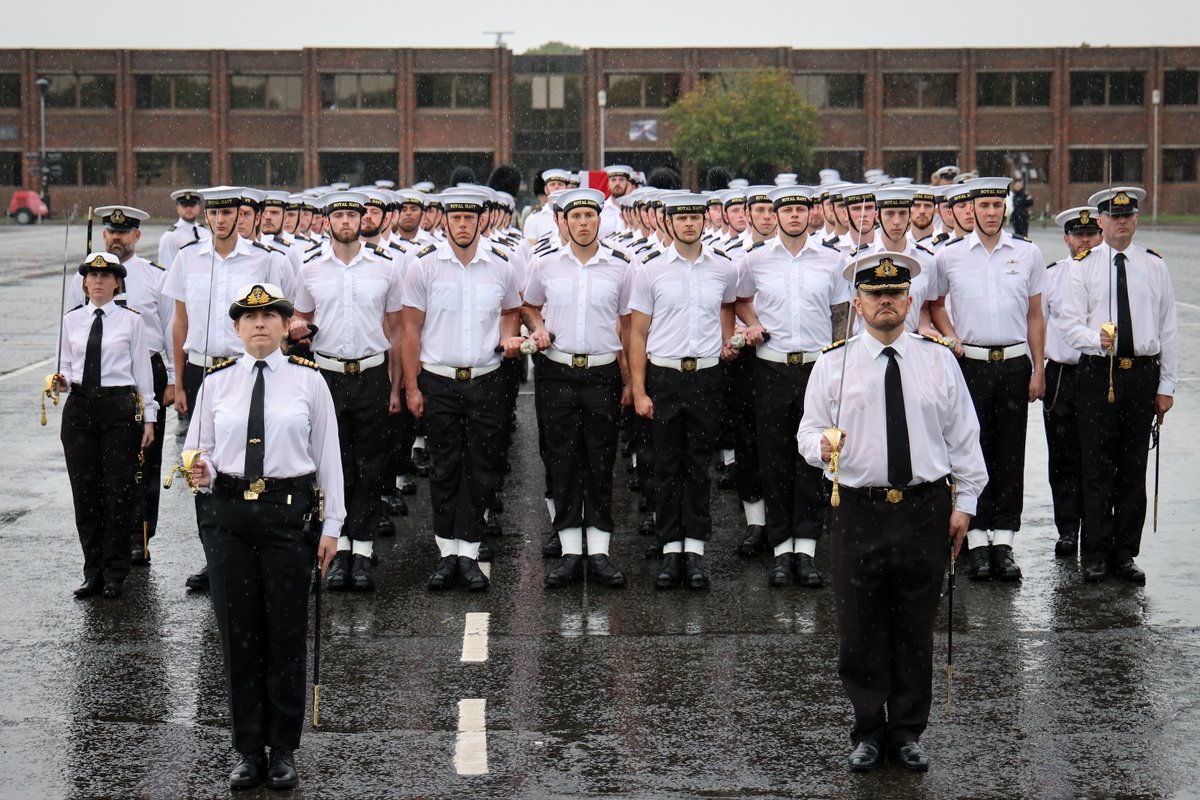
[{"x": 27, "y": 206}]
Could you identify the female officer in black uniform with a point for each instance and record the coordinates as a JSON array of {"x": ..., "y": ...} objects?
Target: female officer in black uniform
[
  {"x": 265, "y": 426},
  {"x": 109, "y": 415}
]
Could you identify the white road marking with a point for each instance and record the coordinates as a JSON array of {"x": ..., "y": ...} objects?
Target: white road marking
[
  {"x": 27, "y": 368},
  {"x": 475, "y": 637},
  {"x": 1188, "y": 306},
  {"x": 470, "y": 750}
]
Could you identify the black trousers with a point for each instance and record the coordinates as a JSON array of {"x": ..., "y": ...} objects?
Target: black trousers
[
  {"x": 361, "y": 403},
  {"x": 1114, "y": 441},
  {"x": 792, "y": 488},
  {"x": 259, "y": 567},
  {"x": 1000, "y": 393},
  {"x": 582, "y": 409},
  {"x": 887, "y": 563},
  {"x": 152, "y": 468},
  {"x": 100, "y": 440},
  {"x": 464, "y": 433},
  {"x": 1062, "y": 446},
  {"x": 687, "y": 421},
  {"x": 739, "y": 401}
]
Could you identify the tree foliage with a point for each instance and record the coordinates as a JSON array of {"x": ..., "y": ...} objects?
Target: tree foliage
[
  {"x": 751, "y": 122},
  {"x": 554, "y": 48}
]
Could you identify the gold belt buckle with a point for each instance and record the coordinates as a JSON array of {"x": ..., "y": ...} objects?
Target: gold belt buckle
[
  {"x": 894, "y": 496},
  {"x": 579, "y": 361},
  {"x": 687, "y": 364},
  {"x": 351, "y": 367},
  {"x": 462, "y": 374},
  {"x": 1125, "y": 363},
  {"x": 996, "y": 354},
  {"x": 258, "y": 487},
  {"x": 795, "y": 358}
]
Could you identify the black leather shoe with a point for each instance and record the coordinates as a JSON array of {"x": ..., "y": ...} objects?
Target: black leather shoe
[
  {"x": 552, "y": 547},
  {"x": 281, "y": 773},
  {"x": 113, "y": 589},
  {"x": 647, "y": 527},
  {"x": 635, "y": 482},
  {"x": 653, "y": 551},
  {"x": 339, "y": 572},
  {"x": 406, "y": 485},
  {"x": 865, "y": 757},
  {"x": 385, "y": 528},
  {"x": 911, "y": 755},
  {"x": 1126, "y": 571},
  {"x": 485, "y": 553},
  {"x": 643, "y": 504},
  {"x": 90, "y": 587},
  {"x": 604, "y": 571},
  {"x": 980, "y": 566},
  {"x": 728, "y": 480},
  {"x": 567, "y": 571},
  {"x": 397, "y": 506},
  {"x": 249, "y": 772},
  {"x": 671, "y": 574},
  {"x": 1004, "y": 568},
  {"x": 807, "y": 574},
  {"x": 420, "y": 460},
  {"x": 362, "y": 578},
  {"x": 138, "y": 556},
  {"x": 1094, "y": 570},
  {"x": 781, "y": 573},
  {"x": 755, "y": 541},
  {"x": 1067, "y": 545},
  {"x": 493, "y": 525},
  {"x": 472, "y": 576},
  {"x": 199, "y": 581},
  {"x": 446, "y": 574},
  {"x": 697, "y": 576}
]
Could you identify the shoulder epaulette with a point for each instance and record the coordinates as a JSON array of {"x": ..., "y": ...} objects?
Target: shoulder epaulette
[
  {"x": 173, "y": 227},
  {"x": 1053, "y": 263},
  {"x": 304, "y": 362},
  {"x": 1082, "y": 254},
  {"x": 280, "y": 240},
  {"x": 642, "y": 240},
  {"x": 833, "y": 240},
  {"x": 830, "y": 243},
  {"x": 315, "y": 246},
  {"x": 617, "y": 253},
  {"x": 156, "y": 265},
  {"x": 1154, "y": 253},
  {"x": 545, "y": 251},
  {"x": 734, "y": 245},
  {"x": 856, "y": 250},
  {"x": 266, "y": 247},
  {"x": 755, "y": 246},
  {"x": 653, "y": 255},
  {"x": 221, "y": 366},
  {"x": 379, "y": 251},
  {"x": 923, "y": 247},
  {"x": 936, "y": 340},
  {"x": 941, "y": 237},
  {"x": 189, "y": 244},
  {"x": 127, "y": 308},
  {"x": 1021, "y": 238},
  {"x": 312, "y": 257},
  {"x": 428, "y": 249},
  {"x": 722, "y": 253},
  {"x": 834, "y": 346},
  {"x": 644, "y": 248},
  {"x": 302, "y": 237},
  {"x": 399, "y": 247},
  {"x": 500, "y": 253},
  {"x": 956, "y": 241},
  {"x": 76, "y": 308}
]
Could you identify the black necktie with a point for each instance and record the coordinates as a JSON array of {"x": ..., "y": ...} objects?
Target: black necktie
[
  {"x": 899, "y": 457},
  {"x": 255, "y": 451},
  {"x": 196, "y": 232},
  {"x": 91, "y": 356},
  {"x": 1124, "y": 320}
]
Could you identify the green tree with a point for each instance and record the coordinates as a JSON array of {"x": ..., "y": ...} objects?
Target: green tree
[
  {"x": 751, "y": 122},
  {"x": 554, "y": 49}
]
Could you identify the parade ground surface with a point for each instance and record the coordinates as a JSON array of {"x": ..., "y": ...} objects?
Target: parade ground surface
[{"x": 1061, "y": 689}]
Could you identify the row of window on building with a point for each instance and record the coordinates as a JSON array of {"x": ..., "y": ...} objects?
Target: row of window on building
[
  {"x": 625, "y": 90},
  {"x": 285, "y": 169}
]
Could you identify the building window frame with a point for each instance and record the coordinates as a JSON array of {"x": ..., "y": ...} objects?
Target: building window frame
[
  {"x": 173, "y": 91},
  {"x": 290, "y": 82},
  {"x": 455, "y": 91}
]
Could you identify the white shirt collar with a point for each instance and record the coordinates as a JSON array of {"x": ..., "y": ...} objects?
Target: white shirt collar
[
  {"x": 275, "y": 360},
  {"x": 875, "y": 347}
]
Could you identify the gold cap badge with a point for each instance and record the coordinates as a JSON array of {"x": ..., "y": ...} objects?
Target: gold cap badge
[
  {"x": 886, "y": 269},
  {"x": 258, "y": 296},
  {"x": 1121, "y": 199}
]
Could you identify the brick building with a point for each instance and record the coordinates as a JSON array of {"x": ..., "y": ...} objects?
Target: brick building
[{"x": 132, "y": 124}]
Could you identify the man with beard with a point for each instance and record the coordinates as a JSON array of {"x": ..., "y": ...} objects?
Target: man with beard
[
  {"x": 579, "y": 294},
  {"x": 271, "y": 228},
  {"x": 682, "y": 306},
  {"x": 910, "y": 472},
  {"x": 351, "y": 292},
  {"x": 186, "y": 229},
  {"x": 923, "y": 215},
  {"x": 618, "y": 186},
  {"x": 994, "y": 282},
  {"x": 460, "y": 301},
  {"x": 791, "y": 289},
  {"x": 142, "y": 291},
  {"x": 541, "y": 222}
]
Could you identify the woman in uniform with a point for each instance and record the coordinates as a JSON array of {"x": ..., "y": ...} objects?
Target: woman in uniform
[
  {"x": 267, "y": 435},
  {"x": 108, "y": 417}
]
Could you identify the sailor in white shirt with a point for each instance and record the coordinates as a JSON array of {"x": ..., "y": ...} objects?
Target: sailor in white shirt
[
  {"x": 461, "y": 302},
  {"x": 894, "y": 206},
  {"x": 189, "y": 206},
  {"x": 861, "y": 217},
  {"x": 618, "y": 186},
  {"x": 541, "y": 222},
  {"x": 1081, "y": 231},
  {"x": 907, "y": 426},
  {"x": 994, "y": 281},
  {"x": 271, "y": 231},
  {"x": 682, "y": 307},
  {"x": 1124, "y": 386}
]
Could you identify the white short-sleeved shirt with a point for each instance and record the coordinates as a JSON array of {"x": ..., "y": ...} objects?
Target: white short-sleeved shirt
[
  {"x": 1053, "y": 297},
  {"x": 178, "y": 235},
  {"x": 684, "y": 302},
  {"x": 462, "y": 305},
  {"x": 990, "y": 292},
  {"x": 793, "y": 294},
  {"x": 581, "y": 303},
  {"x": 349, "y": 300}
]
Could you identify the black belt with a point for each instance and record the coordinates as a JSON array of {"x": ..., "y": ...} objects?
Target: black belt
[
  {"x": 897, "y": 496},
  {"x": 102, "y": 391},
  {"x": 252, "y": 490},
  {"x": 1126, "y": 362}
]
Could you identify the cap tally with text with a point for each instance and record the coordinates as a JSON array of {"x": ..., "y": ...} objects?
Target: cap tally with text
[
  {"x": 253, "y": 198},
  {"x": 922, "y": 193},
  {"x": 1081, "y": 219},
  {"x": 855, "y": 194},
  {"x": 121, "y": 218},
  {"x": 276, "y": 198},
  {"x": 377, "y": 198},
  {"x": 222, "y": 196},
  {"x": 894, "y": 197},
  {"x": 883, "y": 271},
  {"x": 260, "y": 297},
  {"x": 186, "y": 197},
  {"x": 412, "y": 197},
  {"x": 343, "y": 201},
  {"x": 684, "y": 203},
  {"x": 957, "y": 193},
  {"x": 1118, "y": 201},
  {"x": 988, "y": 187},
  {"x": 460, "y": 201},
  {"x": 560, "y": 175},
  {"x": 734, "y": 196},
  {"x": 619, "y": 171},
  {"x": 791, "y": 196},
  {"x": 102, "y": 262},
  {"x": 758, "y": 194},
  {"x": 581, "y": 198}
]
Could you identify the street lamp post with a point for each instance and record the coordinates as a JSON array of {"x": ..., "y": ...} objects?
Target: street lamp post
[
  {"x": 602, "y": 101},
  {"x": 1155, "y": 100},
  {"x": 43, "y": 83}
]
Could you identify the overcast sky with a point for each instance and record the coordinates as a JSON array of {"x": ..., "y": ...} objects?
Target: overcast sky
[{"x": 261, "y": 24}]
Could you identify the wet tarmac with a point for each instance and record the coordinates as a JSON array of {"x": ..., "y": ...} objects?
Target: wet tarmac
[{"x": 1061, "y": 689}]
